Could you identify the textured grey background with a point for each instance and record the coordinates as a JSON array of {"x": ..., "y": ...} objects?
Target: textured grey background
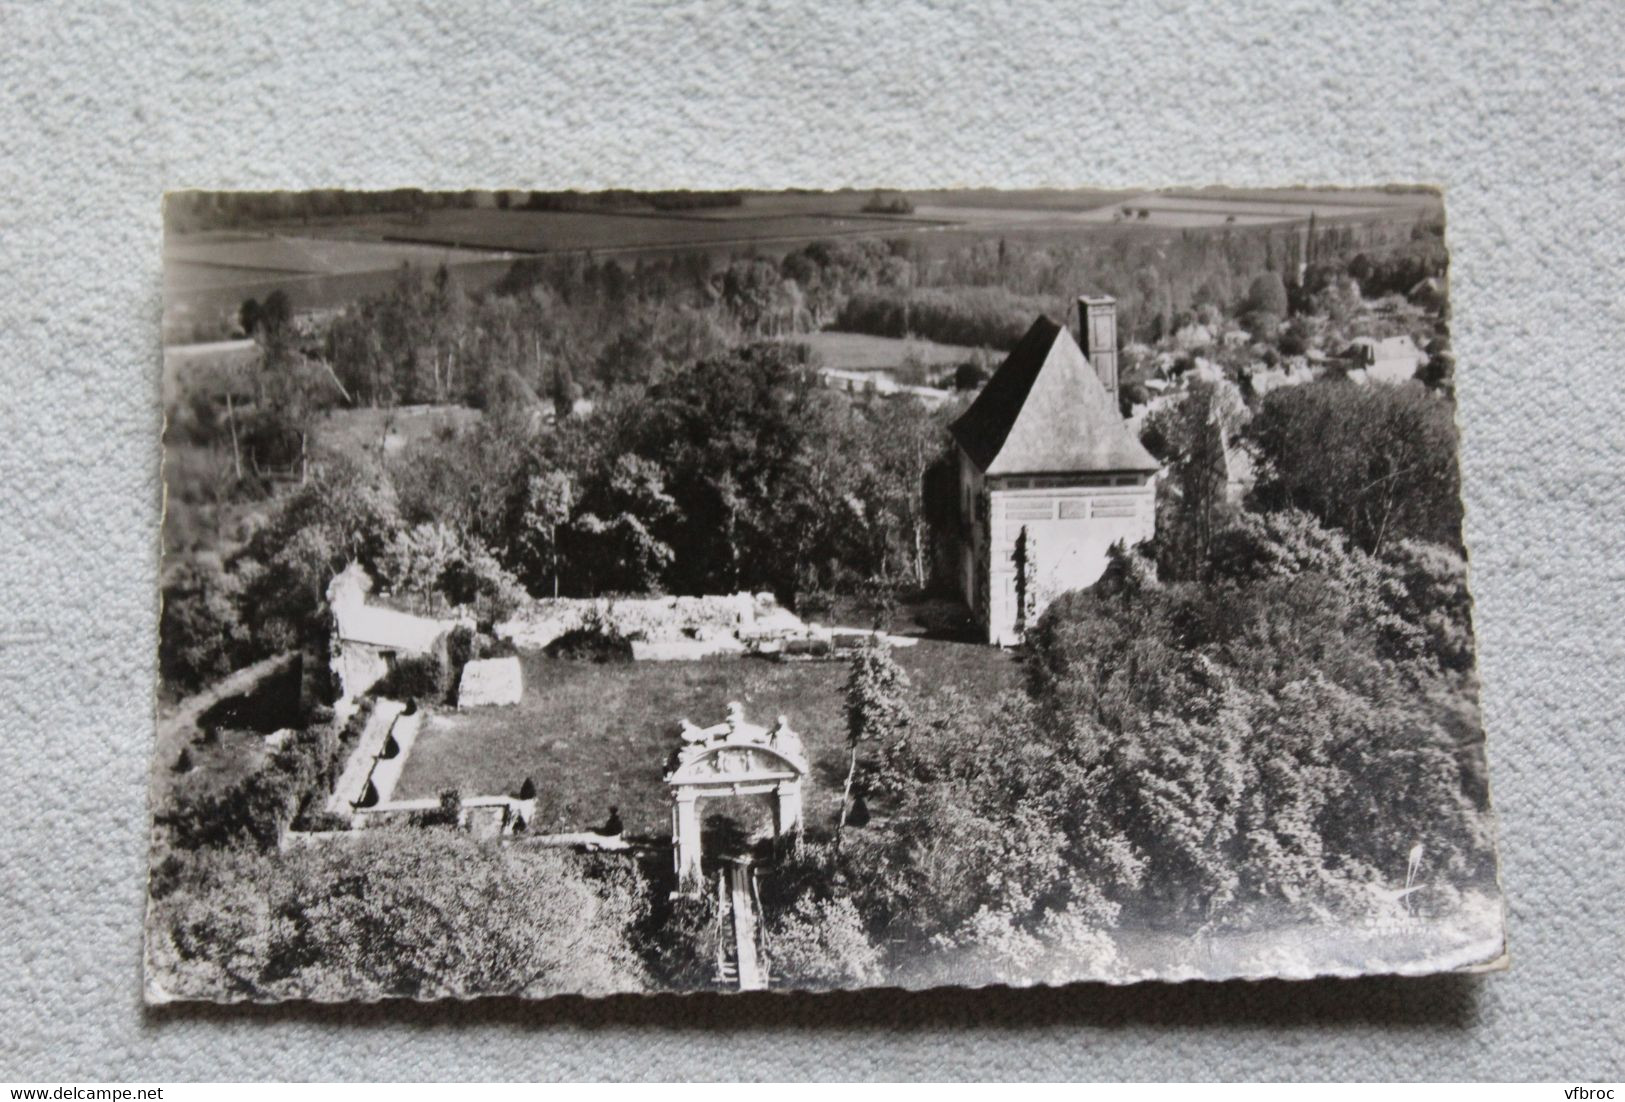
[{"x": 1515, "y": 109}]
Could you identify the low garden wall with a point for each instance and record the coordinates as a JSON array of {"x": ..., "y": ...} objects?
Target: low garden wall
[
  {"x": 352, "y": 781},
  {"x": 503, "y": 810},
  {"x": 649, "y": 619},
  {"x": 387, "y": 735}
]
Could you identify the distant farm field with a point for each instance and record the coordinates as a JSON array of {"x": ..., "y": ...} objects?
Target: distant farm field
[
  {"x": 207, "y": 276},
  {"x": 191, "y": 298},
  {"x": 212, "y": 367},
  {"x": 1363, "y": 198},
  {"x": 580, "y": 231},
  {"x": 1256, "y": 208},
  {"x": 963, "y": 201},
  {"x": 254, "y": 255},
  {"x": 325, "y": 263}
]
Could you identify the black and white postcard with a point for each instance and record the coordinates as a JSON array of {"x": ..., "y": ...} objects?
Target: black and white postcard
[{"x": 583, "y": 593}]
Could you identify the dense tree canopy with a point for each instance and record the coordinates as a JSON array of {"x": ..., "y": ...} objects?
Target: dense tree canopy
[
  {"x": 203, "y": 633},
  {"x": 1284, "y": 711},
  {"x": 417, "y": 913},
  {"x": 1198, "y": 438},
  {"x": 738, "y": 473},
  {"x": 1268, "y": 743},
  {"x": 1379, "y": 462},
  {"x": 1267, "y": 294}
]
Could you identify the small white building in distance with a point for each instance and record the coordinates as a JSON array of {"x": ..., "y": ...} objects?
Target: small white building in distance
[
  {"x": 1049, "y": 475},
  {"x": 1390, "y": 360}
]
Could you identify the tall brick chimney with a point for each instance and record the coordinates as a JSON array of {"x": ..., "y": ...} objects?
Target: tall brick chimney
[{"x": 1097, "y": 336}]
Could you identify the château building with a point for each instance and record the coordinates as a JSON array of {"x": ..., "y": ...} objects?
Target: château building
[{"x": 1049, "y": 475}]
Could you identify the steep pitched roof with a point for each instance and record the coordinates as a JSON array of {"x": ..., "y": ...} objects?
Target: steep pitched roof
[{"x": 1045, "y": 410}]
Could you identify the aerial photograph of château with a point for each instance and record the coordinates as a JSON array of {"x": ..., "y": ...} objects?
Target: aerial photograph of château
[{"x": 603, "y": 592}]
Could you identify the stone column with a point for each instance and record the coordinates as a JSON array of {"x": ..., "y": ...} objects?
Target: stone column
[
  {"x": 787, "y": 805},
  {"x": 685, "y": 837}
]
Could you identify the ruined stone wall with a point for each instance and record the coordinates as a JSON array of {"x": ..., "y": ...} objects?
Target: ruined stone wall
[
  {"x": 356, "y": 669},
  {"x": 649, "y": 619}
]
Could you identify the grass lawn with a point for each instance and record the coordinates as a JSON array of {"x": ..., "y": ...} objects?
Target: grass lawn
[
  {"x": 355, "y": 432},
  {"x": 217, "y": 765},
  {"x": 862, "y": 352},
  {"x": 594, "y": 736}
]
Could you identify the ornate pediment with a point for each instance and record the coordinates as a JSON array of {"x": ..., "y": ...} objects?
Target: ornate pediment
[{"x": 735, "y": 751}]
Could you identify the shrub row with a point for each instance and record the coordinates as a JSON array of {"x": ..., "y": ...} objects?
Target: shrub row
[
  {"x": 257, "y": 810},
  {"x": 982, "y": 316}
]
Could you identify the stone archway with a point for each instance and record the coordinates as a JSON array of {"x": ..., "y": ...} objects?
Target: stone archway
[{"x": 732, "y": 758}]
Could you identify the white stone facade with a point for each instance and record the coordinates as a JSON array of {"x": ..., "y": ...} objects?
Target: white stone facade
[{"x": 1035, "y": 538}]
